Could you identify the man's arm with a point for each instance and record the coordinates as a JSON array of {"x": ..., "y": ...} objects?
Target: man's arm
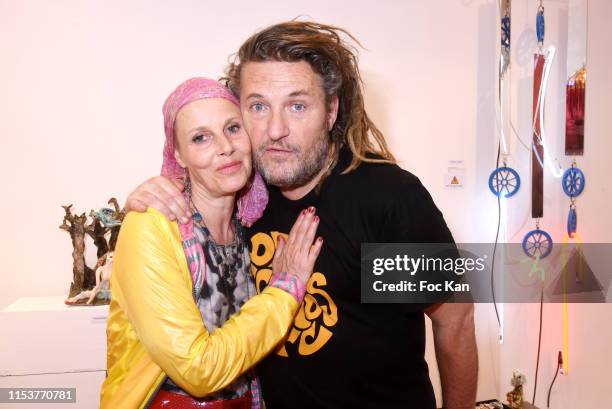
[
  {"x": 414, "y": 218},
  {"x": 456, "y": 353},
  {"x": 162, "y": 194}
]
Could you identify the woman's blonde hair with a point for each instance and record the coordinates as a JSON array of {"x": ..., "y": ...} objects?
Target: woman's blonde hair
[{"x": 323, "y": 47}]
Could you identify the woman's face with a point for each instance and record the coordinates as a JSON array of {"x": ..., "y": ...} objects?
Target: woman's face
[{"x": 212, "y": 145}]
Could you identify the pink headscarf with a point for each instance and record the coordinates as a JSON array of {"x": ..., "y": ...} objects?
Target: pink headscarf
[{"x": 252, "y": 200}]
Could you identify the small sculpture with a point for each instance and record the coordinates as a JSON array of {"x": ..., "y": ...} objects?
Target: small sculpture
[
  {"x": 101, "y": 291},
  {"x": 75, "y": 225},
  {"x": 103, "y": 275},
  {"x": 515, "y": 396},
  {"x": 90, "y": 286}
]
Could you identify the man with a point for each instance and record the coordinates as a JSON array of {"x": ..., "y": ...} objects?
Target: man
[{"x": 302, "y": 106}]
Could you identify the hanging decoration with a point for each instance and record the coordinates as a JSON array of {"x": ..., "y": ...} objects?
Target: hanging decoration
[
  {"x": 573, "y": 182},
  {"x": 573, "y": 179},
  {"x": 504, "y": 181},
  {"x": 538, "y": 243},
  {"x": 574, "y": 113},
  {"x": 504, "y": 60}
]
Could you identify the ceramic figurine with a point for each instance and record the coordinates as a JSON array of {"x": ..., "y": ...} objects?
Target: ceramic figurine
[
  {"x": 515, "y": 396},
  {"x": 91, "y": 286}
]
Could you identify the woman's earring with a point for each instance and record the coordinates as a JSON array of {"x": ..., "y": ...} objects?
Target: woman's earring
[{"x": 187, "y": 183}]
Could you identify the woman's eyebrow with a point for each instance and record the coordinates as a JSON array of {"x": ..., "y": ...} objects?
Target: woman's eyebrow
[
  {"x": 199, "y": 128},
  {"x": 232, "y": 119}
]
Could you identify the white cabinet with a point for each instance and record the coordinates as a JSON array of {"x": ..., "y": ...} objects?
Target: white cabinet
[{"x": 45, "y": 343}]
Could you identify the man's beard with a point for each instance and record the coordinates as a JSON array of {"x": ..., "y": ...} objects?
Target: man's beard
[{"x": 309, "y": 163}]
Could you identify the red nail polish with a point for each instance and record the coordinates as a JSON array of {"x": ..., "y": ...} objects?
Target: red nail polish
[
  {"x": 320, "y": 239},
  {"x": 311, "y": 209},
  {"x": 316, "y": 219}
]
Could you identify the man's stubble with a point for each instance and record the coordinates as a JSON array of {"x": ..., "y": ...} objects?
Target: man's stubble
[{"x": 299, "y": 172}]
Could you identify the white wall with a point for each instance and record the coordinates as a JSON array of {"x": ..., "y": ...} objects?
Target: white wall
[{"x": 81, "y": 89}]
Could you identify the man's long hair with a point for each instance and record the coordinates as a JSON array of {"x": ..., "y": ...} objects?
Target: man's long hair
[{"x": 330, "y": 56}]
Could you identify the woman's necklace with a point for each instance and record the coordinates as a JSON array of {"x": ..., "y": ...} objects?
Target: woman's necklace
[
  {"x": 199, "y": 219},
  {"x": 227, "y": 260},
  {"x": 225, "y": 256}
]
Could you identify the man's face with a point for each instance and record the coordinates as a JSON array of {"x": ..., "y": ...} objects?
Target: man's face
[{"x": 288, "y": 120}]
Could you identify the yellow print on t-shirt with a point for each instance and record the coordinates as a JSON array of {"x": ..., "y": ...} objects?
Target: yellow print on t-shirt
[{"x": 318, "y": 312}]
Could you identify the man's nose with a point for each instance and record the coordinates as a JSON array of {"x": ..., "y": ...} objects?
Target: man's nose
[{"x": 277, "y": 125}]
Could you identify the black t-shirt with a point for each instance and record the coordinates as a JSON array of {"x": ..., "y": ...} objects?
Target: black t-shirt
[{"x": 341, "y": 353}]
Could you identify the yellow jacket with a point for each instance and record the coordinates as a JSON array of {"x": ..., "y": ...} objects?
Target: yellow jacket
[{"x": 155, "y": 328}]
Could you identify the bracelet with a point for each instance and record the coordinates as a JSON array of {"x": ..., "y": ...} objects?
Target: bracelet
[{"x": 290, "y": 283}]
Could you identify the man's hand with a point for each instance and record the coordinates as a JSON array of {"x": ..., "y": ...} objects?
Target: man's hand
[
  {"x": 162, "y": 194},
  {"x": 456, "y": 353}
]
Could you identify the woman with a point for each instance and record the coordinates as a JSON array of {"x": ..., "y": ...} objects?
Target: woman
[{"x": 174, "y": 331}]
